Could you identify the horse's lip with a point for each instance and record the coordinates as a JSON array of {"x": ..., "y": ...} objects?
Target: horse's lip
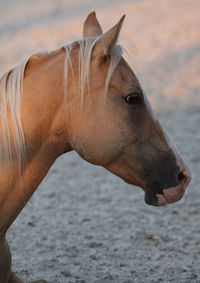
[
  {"x": 168, "y": 196},
  {"x": 155, "y": 199},
  {"x": 161, "y": 200},
  {"x": 151, "y": 199}
]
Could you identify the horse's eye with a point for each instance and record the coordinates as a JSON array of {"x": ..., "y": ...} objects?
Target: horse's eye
[{"x": 133, "y": 99}]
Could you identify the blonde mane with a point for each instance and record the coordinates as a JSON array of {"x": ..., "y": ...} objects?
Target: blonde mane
[{"x": 11, "y": 91}]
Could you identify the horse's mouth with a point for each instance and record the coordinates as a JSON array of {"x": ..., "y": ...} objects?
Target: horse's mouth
[
  {"x": 166, "y": 196},
  {"x": 157, "y": 196}
]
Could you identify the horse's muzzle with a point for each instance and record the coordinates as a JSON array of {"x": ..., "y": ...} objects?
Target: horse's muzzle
[{"x": 165, "y": 196}]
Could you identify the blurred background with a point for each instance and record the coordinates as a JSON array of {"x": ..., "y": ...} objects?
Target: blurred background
[{"x": 84, "y": 224}]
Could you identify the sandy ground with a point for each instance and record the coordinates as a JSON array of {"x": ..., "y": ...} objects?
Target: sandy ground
[{"x": 84, "y": 224}]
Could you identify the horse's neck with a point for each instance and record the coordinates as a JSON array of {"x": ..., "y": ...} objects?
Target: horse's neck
[
  {"x": 43, "y": 107},
  {"x": 45, "y": 129}
]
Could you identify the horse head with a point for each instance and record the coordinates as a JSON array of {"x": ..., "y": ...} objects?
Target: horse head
[{"x": 116, "y": 127}]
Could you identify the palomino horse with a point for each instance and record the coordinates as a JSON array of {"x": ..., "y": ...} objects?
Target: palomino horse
[{"x": 82, "y": 97}]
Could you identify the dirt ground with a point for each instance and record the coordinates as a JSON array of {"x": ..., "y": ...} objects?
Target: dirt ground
[{"x": 84, "y": 224}]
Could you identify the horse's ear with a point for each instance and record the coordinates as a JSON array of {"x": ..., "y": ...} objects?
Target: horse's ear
[
  {"x": 91, "y": 26},
  {"x": 108, "y": 40}
]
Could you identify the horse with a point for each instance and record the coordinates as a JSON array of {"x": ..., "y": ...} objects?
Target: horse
[{"x": 83, "y": 97}]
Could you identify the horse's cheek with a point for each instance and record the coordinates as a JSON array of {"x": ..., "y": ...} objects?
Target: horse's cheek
[{"x": 98, "y": 145}]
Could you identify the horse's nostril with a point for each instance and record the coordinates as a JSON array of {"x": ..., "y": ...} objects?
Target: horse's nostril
[{"x": 182, "y": 177}]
